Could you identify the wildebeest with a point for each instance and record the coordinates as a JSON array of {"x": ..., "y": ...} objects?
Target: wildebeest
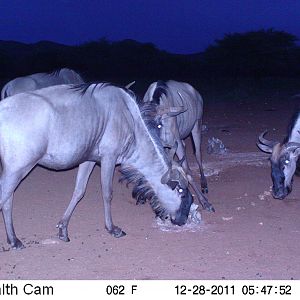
[
  {"x": 180, "y": 108},
  {"x": 40, "y": 80},
  {"x": 284, "y": 157},
  {"x": 64, "y": 126}
]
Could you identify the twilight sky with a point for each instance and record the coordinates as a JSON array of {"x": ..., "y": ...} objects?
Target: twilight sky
[{"x": 178, "y": 26}]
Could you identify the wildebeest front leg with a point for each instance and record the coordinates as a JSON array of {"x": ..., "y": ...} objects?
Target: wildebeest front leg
[
  {"x": 83, "y": 175},
  {"x": 202, "y": 199},
  {"x": 107, "y": 172},
  {"x": 196, "y": 134},
  {"x": 181, "y": 153},
  {"x": 8, "y": 183}
]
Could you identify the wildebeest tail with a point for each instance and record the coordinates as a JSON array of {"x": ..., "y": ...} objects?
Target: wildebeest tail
[
  {"x": 161, "y": 89},
  {"x": 297, "y": 172},
  {"x": 4, "y": 92}
]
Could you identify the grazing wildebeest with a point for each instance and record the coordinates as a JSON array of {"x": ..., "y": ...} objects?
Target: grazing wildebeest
[
  {"x": 40, "y": 80},
  {"x": 64, "y": 126},
  {"x": 180, "y": 108},
  {"x": 284, "y": 158}
]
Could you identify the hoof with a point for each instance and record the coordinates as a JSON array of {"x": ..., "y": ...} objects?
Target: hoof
[
  {"x": 64, "y": 238},
  {"x": 17, "y": 245},
  {"x": 204, "y": 190},
  {"x": 117, "y": 232},
  {"x": 207, "y": 206},
  {"x": 118, "y": 235},
  {"x": 140, "y": 201},
  {"x": 63, "y": 235},
  {"x": 62, "y": 232},
  {"x": 210, "y": 208}
]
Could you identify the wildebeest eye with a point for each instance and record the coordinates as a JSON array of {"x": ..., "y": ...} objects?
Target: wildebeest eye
[
  {"x": 159, "y": 126},
  {"x": 286, "y": 162},
  {"x": 180, "y": 190}
]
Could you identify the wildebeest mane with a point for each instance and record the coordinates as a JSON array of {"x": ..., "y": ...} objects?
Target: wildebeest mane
[
  {"x": 142, "y": 191},
  {"x": 291, "y": 125},
  {"x": 151, "y": 118},
  {"x": 54, "y": 73},
  {"x": 83, "y": 87}
]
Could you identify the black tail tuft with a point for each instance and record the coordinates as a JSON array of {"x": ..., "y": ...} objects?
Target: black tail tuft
[{"x": 297, "y": 172}]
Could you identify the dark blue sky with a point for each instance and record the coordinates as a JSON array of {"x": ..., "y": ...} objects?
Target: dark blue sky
[{"x": 178, "y": 26}]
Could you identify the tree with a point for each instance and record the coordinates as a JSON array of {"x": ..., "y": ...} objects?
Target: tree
[{"x": 252, "y": 54}]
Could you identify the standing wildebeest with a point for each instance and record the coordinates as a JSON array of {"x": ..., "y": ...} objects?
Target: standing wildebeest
[
  {"x": 180, "y": 108},
  {"x": 40, "y": 80},
  {"x": 65, "y": 126},
  {"x": 284, "y": 158}
]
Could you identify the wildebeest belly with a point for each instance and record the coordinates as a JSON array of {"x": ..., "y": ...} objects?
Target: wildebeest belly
[{"x": 185, "y": 124}]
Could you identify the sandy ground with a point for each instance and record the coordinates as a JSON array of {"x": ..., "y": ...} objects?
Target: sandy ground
[{"x": 250, "y": 236}]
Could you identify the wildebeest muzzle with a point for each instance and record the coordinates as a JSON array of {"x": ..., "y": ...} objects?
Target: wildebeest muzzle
[
  {"x": 280, "y": 189},
  {"x": 182, "y": 213}
]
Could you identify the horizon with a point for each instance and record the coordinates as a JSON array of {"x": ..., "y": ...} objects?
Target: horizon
[
  {"x": 297, "y": 42},
  {"x": 179, "y": 27}
]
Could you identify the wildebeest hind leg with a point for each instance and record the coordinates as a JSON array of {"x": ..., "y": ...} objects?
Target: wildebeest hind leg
[
  {"x": 83, "y": 175},
  {"x": 107, "y": 172}
]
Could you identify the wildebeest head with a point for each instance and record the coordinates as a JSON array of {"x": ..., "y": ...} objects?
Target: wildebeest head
[
  {"x": 178, "y": 180},
  {"x": 167, "y": 124},
  {"x": 283, "y": 164}
]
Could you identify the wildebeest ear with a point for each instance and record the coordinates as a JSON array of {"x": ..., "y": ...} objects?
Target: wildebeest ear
[
  {"x": 166, "y": 179},
  {"x": 297, "y": 152},
  {"x": 293, "y": 148},
  {"x": 172, "y": 184}
]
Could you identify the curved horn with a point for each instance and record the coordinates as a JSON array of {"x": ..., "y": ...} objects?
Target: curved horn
[
  {"x": 265, "y": 141},
  {"x": 180, "y": 96},
  {"x": 129, "y": 84},
  {"x": 292, "y": 146},
  {"x": 171, "y": 111}
]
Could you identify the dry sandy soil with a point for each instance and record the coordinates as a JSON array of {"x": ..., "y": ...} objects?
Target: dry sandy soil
[{"x": 250, "y": 236}]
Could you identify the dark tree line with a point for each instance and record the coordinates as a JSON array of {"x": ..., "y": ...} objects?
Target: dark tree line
[
  {"x": 257, "y": 54},
  {"x": 254, "y": 54}
]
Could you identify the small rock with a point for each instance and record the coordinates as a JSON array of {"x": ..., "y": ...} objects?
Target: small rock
[
  {"x": 240, "y": 208},
  {"x": 216, "y": 146},
  {"x": 194, "y": 214},
  {"x": 50, "y": 242},
  {"x": 204, "y": 128},
  {"x": 227, "y": 218}
]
